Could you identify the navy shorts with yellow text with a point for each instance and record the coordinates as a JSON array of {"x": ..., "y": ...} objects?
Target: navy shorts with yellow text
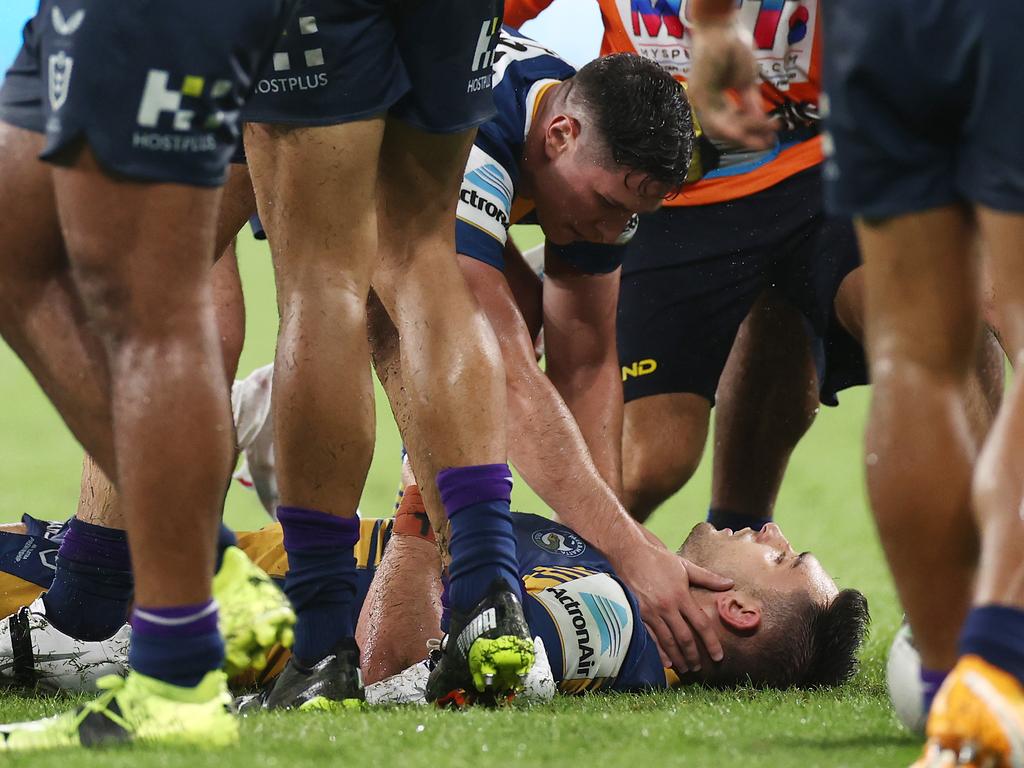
[{"x": 692, "y": 273}]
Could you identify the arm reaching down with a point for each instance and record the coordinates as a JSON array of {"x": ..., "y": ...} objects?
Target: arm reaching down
[
  {"x": 582, "y": 361},
  {"x": 548, "y": 449}
]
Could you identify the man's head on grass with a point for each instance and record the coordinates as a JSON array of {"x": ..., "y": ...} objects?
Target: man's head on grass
[{"x": 784, "y": 623}]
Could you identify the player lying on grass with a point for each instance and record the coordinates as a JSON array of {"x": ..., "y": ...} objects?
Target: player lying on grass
[{"x": 784, "y": 623}]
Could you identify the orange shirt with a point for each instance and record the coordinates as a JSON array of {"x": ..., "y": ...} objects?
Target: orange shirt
[{"x": 787, "y": 43}]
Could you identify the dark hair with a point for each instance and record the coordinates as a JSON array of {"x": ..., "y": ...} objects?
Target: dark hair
[
  {"x": 642, "y": 113},
  {"x": 807, "y": 645}
]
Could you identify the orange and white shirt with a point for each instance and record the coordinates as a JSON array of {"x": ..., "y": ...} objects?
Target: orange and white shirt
[{"x": 787, "y": 43}]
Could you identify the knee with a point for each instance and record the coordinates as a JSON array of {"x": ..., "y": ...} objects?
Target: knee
[{"x": 651, "y": 475}]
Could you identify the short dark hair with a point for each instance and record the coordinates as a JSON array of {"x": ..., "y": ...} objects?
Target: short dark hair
[
  {"x": 642, "y": 113},
  {"x": 806, "y": 645}
]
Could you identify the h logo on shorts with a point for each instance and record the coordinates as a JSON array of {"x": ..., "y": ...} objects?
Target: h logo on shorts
[
  {"x": 158, "y": 98},
  {"x": 484, "y": 55}
]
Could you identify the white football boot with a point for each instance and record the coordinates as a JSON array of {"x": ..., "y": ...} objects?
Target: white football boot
[
  {"x": 35, "y": 653},
  {"x": 410, "y": 686}
]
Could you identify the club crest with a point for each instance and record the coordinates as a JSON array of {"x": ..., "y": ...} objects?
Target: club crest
[{"x": 60, "y": 79}]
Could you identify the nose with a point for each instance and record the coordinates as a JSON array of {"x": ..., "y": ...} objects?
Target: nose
[{"x": 771, "y": 534}]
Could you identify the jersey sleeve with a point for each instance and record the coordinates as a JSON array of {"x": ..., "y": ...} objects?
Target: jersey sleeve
[{"x": 485, "y": 209}]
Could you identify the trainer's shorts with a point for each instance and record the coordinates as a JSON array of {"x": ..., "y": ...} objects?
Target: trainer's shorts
[
  {"x": 692, "y": 273},
  {"x": 426, "y": 62},
  {"x": 155, "y": 88},
  {"x": 926, "y": 105}
]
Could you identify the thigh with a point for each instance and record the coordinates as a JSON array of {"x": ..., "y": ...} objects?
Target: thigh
[
  {"x": 420, "y": 177},
  {"x": 140, "y": 253},
  {"x": 316, "y": 196},
  {"x": 30, "y": 231},
  {"x": 921, "y": 289},
  {"x": 447, "y": 47},
  {"x": 153, "y": 88},
  {"x": 663, "y": 438}
]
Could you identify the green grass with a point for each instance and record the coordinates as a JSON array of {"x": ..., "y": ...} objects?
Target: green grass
[{"x": 822, "y": 508}]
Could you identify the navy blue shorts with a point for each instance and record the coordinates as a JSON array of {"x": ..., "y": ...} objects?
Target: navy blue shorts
[
  {"x": 926, "y": 105},
  {"x": 155, "y": 88},
  {"x": 425, "y": 62},
  {"x": 692, "y": 273}
]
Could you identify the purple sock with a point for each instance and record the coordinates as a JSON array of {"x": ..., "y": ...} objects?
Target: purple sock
[
  {"x": 483, "y": 543},
  {"x": 92, "y": 585},
  {"x": 321, "y": 579},
  {"x": 178, "y": 645},
  {"x": 931, "y": 681}
]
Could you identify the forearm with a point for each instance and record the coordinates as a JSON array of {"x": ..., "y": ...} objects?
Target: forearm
[
  {"x": 548, "y": 449},
  {"x": 593, "y": 395}
]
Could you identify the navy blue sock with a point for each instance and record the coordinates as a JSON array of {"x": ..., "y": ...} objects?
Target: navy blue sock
[
  {"x": 178, "y": 645},
  {"x": 225, "y": 538},
  {"x": 92, "y": 585},
  {"x": 321, "y": 579},
  {"x": 483, "y": 544},
  {"x": 735, "y": 521},
  {"x": 446, "y": 603},
  {"x": 996, "y": 633}
]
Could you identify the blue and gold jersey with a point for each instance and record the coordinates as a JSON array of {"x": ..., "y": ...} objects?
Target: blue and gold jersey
[
  {"x": 488, "y": 201},
  {"x": 589, "y": 620}
]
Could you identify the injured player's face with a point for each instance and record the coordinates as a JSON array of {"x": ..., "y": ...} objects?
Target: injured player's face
[{"x": 784, "y": 622}]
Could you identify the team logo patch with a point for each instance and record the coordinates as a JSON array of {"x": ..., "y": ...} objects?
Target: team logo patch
[
  {"x": 65, "y": 26},
  {"x": 560, "y": 543},
  {"x": 60, "y": 66}
]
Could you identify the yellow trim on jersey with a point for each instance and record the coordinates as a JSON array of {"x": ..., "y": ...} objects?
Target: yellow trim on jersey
[
  {"x": 542, "y": 577},
  {"x": 265, "y": 547},
  {"x": 16, "y": 593}
]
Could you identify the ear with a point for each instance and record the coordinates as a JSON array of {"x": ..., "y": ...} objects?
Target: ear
[
  {"x": 561, "y": 135},
  {"x": 738, "y": 612}
]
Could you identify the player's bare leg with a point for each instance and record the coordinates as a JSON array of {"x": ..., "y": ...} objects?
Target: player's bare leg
[
  {"x": 316, "y": 194},
  {"x": 454, "y": 378},
  {"x": 41, "y": 314},
  {"x": 92, "y": 586},
  {"x": 921, "y": 331},
  {"x": 663, "y": 439},
  {"x": 158, "y": 328},
  {"x": 767, "y": 400},
  {"x": 978, "y": 715}
]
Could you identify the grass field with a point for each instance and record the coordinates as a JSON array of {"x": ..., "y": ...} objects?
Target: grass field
[{"x": 822, "y": 508}]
